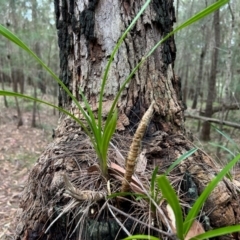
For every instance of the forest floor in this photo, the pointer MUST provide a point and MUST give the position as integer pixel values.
(19, 150)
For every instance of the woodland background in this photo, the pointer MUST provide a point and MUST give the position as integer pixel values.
(209, 76)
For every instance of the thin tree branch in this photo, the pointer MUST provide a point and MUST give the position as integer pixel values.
(213, 120)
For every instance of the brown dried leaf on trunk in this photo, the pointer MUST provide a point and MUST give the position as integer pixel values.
(119, 172)
(195, 230)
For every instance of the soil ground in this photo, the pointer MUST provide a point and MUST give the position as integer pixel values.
(19, 150)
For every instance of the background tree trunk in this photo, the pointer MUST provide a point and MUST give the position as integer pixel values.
(206, 128)
(3, 80)
(199, 83)
(87, 34)
(16, 74)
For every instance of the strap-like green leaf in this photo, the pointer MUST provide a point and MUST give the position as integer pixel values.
(223, 147)
(147, 237)
(181, 158)
(91, 120)
(106, 138)
(210, 9)
(169, 194)
(153, 181)
(227, 137)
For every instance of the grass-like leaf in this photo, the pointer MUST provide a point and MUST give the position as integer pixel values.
(227, 137)
(89, 116)
(228, 175)
(223, 147)
(169, 194)
(153, 182)
(181, 158)
(108, 131)
(154, 191)
(111, 121)
(147, 237)
(207, 191)
(217, 232)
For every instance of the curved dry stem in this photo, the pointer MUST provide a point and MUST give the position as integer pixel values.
(82, 195)
(135, 148)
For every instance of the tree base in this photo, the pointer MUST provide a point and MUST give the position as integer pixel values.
(70, 153)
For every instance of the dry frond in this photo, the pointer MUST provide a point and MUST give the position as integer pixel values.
(135, 148)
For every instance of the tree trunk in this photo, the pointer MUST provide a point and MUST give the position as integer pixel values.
(3, 80)
(185, 87)
(15, 73)
(228, 98)
(200, 72)
(206, 128)
(87, 34)
(38, 80)
(21, 76)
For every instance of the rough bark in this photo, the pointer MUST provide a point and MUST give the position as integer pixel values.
(87, 33)
(88, 50)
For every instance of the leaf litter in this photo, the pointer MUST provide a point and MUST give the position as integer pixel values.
(19, 150)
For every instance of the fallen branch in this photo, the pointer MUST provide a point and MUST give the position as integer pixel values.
(216, 109)
(214, 120)
(225, 107)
